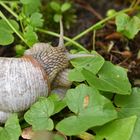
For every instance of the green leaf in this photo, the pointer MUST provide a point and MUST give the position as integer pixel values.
(121, 21)
(30, 36)
(57, 17)
(6, 27)
(26, 1)
(92, 64)
(66, 6)
(19, 49)
(76, 75)
(129, 27)
(36, 20)
(6, 36)
(59, 104)
(128, 106)
(30, 6)
(120, 129)
(110, 78)
(132, 28)
(55, 6)
(11, 130)
(59, 137)
(39, 115)
(90, 109)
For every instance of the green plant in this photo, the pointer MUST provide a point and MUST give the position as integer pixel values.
(102, 100)
(128, 26)
(28, 19)
(57, 9)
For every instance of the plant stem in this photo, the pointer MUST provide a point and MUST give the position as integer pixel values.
(9, 10)
(12, 27)
(66, 38)
(93, 27)
(11, 1)
(13, 13)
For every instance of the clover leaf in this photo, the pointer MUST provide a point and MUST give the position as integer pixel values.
(6, 33)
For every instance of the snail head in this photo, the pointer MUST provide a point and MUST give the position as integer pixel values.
(52, 59)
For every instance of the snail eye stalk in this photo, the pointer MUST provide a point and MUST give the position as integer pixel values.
(61, 38)
(73, 56)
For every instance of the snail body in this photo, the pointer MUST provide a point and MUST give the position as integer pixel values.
(24, 80)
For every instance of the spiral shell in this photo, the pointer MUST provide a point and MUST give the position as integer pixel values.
(22, 81)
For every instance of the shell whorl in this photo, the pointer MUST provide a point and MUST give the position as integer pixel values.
(22, 82)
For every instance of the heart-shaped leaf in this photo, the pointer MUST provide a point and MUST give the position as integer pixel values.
(90, 109)
(39, 115)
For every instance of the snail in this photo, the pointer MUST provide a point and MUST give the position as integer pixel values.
(23, 80)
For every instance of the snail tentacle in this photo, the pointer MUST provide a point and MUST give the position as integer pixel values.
(61, 38)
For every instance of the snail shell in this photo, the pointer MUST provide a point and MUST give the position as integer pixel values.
(22, 81)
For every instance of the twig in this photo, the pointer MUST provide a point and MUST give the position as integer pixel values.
(94, 39)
